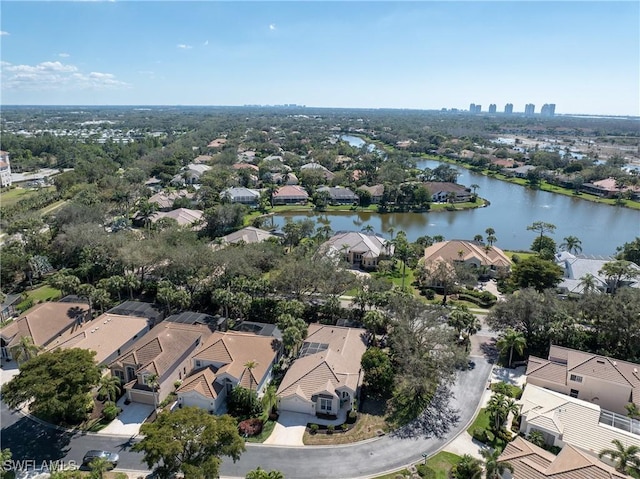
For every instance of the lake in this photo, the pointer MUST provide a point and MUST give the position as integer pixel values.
(601, 228)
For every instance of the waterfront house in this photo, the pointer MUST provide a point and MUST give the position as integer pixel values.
(442, 191)
(245, 196)
(290, 194)
(476, 255)
(359, 249)
(340, 196)
(376, 192)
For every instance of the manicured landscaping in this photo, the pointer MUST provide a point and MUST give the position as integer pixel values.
(267, 429)
(481, 422)
(440, 464)
(38, 295)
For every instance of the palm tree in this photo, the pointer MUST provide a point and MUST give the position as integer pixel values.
(25, 349)
(152, 382)
(499, 407)
(131, 282)
(493, 466)
(572, 245)
(368, 229)
(627, 459)
(633, 411)
(478, 238)
(270, 399)
(109, 387)
(374, 321)
(468, 468)
(251, 365)
(511, 340)
(491, 239)
(98, 467)
(474, 187)
(588, 283)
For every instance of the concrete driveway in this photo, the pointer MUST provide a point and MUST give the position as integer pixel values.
(129, 420)
(289, 429)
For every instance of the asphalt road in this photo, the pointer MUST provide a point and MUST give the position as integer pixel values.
(30, 440)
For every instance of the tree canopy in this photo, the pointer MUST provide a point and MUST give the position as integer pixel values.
(189, 441)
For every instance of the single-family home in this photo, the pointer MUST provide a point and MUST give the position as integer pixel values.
(519, 172)
(326, 377)
(166, 199)
(108, 335)
(164, 353)
(489, 258)
(566, 420)
(358, 248)
(43, 324)
(8, 306)
(326, 174)
(245, 166)
(183, 216)
(340, 196)
(580, 270)
(245, 235)
(215, 323)
(376, 192)
(5, 170)
(290, 194)
(245, 196)
(610, 383)
(192, 172)
(140, 309)
(610, 188)
(443, 191)
(282, 178)
(532, 462)
(226, 360)
(217, 143)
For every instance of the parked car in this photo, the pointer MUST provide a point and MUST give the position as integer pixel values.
(471, 365)
(110, 457)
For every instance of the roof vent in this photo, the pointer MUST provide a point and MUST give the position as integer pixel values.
(635, 370)
(600, 361)
(615, 363)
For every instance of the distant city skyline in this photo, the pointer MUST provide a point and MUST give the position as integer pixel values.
(582, 56)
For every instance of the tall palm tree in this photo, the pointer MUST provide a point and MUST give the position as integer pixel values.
(269, 399)
(588, 283)
(536, 437)
(109, 387)
(25, 349)
(478, 238)
(251, 365)
(131, 282)
(499, 407)
(627, 459)
(572, 244)
(493, 467)
(468, 468)
(512, 340)
(474, 187)
(152, 382)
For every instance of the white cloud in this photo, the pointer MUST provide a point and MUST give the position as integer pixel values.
(3, 33)
(54, 75)
(64, 55)
(184, 47)
(205, 43)
(272, 26)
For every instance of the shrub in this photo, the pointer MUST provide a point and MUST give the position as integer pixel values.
(429, 294)
(314, 428)
(345, 427)
(121, 475)
(425, 472)
(352, 416)
(110, 411)
(243, 403)
(250, 427)
(330, 429)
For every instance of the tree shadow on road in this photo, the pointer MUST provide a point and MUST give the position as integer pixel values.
(29, 440)
(435, 421)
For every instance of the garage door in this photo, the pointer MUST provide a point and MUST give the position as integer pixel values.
(296, 404)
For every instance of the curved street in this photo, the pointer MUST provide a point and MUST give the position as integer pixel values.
(31, 440)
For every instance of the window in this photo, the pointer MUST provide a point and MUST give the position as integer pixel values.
(198, 363)
(574, 393)
(577, 379)
(325, 404)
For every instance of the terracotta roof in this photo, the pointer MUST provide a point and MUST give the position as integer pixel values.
(240, 166)
(44, 322)
(166, 199)
(532, 462)
(325, 370)
(544, 369)
(161, 348)
(451, 251)
(291, 191)
(375, 190)
(183, 216)
(202, 382)
(105, 335)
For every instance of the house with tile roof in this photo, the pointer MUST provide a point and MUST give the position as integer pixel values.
(221, 364)
(566, 420)
(184, 217)
(165, 352)
(607, 382)
(313, 166)
(376, 192)
(471, 253)
(245, 235)
(108, 335)
(340, 196)
(577, 267)
(43, 324)
(290, 194)
(165, 199)
(359, 249)
(326, 377)
(532, 462)
(441, 190)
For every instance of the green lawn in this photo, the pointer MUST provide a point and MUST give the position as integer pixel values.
(519, 254)
(395, 277)
(267, 429)
(38, 295)
(12, 196)
(481, 421)
(441, 464)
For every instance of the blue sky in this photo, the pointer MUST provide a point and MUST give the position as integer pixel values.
(582, 56)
